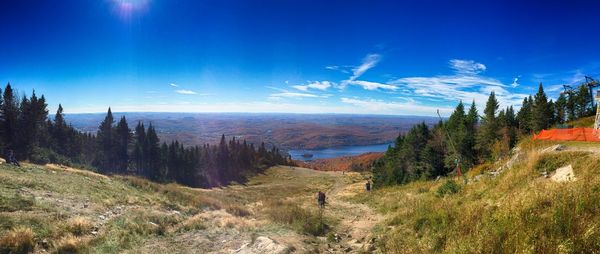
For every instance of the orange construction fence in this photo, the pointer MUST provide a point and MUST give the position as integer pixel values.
(573, 134)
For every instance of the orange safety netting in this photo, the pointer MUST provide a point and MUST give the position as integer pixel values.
(573, 134)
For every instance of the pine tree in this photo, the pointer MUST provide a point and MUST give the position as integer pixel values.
(139, 150)
(524, 115)
(457, 133)
(541, 111)
(9, 113)
(489, 128)
(560, 109)
(106, 142)
(472, 121)
(223, 160)
(123, 138)
(153, 154)
(582, 102)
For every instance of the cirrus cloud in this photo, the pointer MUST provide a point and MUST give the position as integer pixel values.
(186, 92)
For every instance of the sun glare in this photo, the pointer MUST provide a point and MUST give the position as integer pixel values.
(127, 8)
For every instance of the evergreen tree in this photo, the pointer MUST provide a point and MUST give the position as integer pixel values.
(472, 120)
(123, 138)
(489, 128)
(106, 143)
(59, 132)
(32, 121)
(560, 109)
(153, 153)
(541, 111)
(524, 115)
(582, 102)
(139, 150)
(9, 111)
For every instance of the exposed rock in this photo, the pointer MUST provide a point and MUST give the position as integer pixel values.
(263, 245)
(553, 148)
(564, 174)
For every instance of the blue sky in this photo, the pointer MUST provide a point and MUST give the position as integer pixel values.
(374, 57)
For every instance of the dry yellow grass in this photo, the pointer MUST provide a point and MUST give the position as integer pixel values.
(76, 171)
(519, 211)
(69, 244)
(79, 226)
(17, 241)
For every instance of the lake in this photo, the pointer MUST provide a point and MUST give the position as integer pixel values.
(337, 152)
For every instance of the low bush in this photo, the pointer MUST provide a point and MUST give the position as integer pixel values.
(237, 210)
(44, 156)
(448, 188)
(17, 241)
(79, 226)
(68, 245)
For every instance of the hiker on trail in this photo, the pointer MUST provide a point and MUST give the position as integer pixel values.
(10, 158)
(368, 185)
(321, 199)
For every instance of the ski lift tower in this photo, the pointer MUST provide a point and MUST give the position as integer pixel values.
(597, 122)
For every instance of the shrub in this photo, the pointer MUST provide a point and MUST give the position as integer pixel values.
(194, 223)
(551, 161)
(44, 156)
(79, 226)
(68, 245)
(449, 187)
(237, 211)
(19, 240)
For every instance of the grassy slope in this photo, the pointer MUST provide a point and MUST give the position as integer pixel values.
(69, 209)
(517, 212)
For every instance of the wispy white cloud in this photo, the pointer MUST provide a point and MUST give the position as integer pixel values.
(294, 95)
(319, 85)
(173, 85)
(187, 92)
(515, 82)
(368, 62)
(368, 85)
(394, 107)
(466, 84)
(343, 69)
(468, 67)
(283, 93)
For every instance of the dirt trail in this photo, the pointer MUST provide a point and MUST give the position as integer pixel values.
(356, 220)
(226, 233)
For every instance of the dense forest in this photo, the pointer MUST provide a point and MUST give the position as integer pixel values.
(467, 138)
(26, 129)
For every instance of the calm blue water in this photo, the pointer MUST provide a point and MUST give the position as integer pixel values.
(337, 152)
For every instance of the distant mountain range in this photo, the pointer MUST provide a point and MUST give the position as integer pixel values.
(287, 131)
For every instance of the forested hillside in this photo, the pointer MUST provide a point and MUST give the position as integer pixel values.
(468, 139)
(26, 129)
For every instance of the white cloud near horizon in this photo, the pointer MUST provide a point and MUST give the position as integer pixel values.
(466, 84)
(387, 107)
(294, 95)
(368, 85)
(319, 85)
(186, 92)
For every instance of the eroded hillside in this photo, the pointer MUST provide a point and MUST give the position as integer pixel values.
(59, 209)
